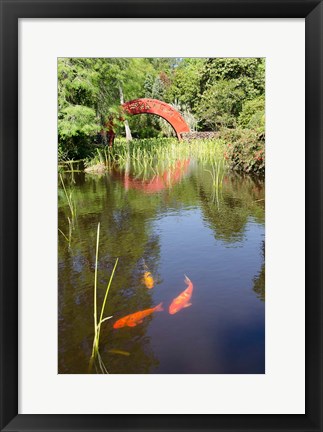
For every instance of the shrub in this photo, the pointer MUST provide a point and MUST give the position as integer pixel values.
(245, 150)
(76, 147)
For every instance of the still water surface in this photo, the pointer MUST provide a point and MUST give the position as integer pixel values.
(172, 223)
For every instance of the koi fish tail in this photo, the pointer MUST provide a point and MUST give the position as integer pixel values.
(159, 308)
(187, 280)
(189, 284)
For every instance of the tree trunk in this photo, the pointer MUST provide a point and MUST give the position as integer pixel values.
(126, 124)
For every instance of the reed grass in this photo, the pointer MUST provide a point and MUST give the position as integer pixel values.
(95, 356)
(69, 198)
(217, 172)
(68, 166)
(72, 208)
(66, 238)
(103, 156)
(144, 153)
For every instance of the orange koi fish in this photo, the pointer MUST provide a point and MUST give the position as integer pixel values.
(136, 318)
(183, 300)
(148, 280)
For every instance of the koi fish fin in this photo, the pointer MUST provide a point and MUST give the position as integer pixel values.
(132, 324)
(188, 305)
(159, 308)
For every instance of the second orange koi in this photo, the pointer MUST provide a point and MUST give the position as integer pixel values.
(148, 280)
(136, 318)
(183, 300)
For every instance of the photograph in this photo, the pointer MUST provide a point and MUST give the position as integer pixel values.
(161, 215)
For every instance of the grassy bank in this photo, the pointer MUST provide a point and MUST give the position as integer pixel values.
(240, 150)
(152, 149)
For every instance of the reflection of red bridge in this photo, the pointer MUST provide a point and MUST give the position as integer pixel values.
(158, 182)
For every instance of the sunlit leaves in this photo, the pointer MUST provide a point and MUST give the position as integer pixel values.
(76, 120)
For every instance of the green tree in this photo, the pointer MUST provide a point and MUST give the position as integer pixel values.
(220, 104)
(185, 84)
(250, 72)
(225, 84)
(252, 114)
(90, 91)
(77, 115)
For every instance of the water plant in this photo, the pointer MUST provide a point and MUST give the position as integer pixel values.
(72, 216)
(245, 150)
(70, 201)
(152, 153)
(217, 172)
(102, 158)
(98, 322)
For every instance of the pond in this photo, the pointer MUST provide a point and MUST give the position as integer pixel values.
(164, 225)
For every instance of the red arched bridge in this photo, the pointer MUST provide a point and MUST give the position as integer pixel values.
(156, 107)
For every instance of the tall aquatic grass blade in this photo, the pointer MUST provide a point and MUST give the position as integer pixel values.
(104, 303)
(95, 306)
(70, 227)
(92, 359)
(72, 207)
(103, 369)
(98, 322)
(107, 291)
(106, 319)
(68, 197)
(63, 235)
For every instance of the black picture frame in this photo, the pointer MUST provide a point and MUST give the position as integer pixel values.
(11, 11)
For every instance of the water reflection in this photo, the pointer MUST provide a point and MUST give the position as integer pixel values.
(153, 181)
(167, 221)
(259, 280)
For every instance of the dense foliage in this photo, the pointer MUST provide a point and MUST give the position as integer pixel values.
(211, 93)
(245, 150)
